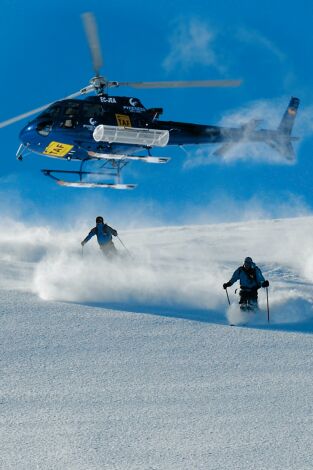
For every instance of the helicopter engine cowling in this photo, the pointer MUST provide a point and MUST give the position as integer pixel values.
(131, 135)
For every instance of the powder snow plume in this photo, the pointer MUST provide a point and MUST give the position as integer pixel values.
(167, 270)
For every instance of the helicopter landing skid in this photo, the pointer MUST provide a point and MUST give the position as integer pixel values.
(85, 184)
(79, 184)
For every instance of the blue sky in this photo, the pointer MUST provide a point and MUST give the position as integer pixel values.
(268, 44)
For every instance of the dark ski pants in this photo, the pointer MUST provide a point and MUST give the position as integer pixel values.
(248, 297)
(108, 250)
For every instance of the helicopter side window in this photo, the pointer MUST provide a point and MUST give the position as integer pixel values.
(93, 112)
(71, 114)
(46, 120)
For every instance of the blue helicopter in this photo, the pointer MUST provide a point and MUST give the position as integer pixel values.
(115, 130)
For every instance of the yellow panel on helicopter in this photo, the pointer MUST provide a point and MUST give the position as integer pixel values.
(123, 120)
(57, 149)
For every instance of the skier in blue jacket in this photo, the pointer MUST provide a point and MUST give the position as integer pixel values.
(104, 236)
(251, 279)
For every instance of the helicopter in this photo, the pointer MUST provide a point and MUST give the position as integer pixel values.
(115, 130)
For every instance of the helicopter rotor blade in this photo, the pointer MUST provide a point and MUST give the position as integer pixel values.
(91, 31)
(178, 84)
(35, 111)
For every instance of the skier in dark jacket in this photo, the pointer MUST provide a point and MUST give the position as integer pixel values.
(104, 236)
(251, 279)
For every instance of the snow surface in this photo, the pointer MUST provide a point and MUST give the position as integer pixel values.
(132, 365)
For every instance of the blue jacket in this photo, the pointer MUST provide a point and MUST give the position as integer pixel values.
(104, 234)
(249, 279)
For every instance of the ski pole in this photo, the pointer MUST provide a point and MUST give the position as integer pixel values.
(82, 251)
(268, 308)
(123, 245)
(227, 296)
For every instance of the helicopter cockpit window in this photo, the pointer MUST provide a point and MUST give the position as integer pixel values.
(46, 120)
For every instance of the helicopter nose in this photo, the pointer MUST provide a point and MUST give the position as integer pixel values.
(27, 134)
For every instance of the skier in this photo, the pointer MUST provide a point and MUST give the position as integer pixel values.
(251, 279)
(104, 236)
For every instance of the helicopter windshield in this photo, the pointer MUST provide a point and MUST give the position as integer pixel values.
(50, 113)
(46, 120)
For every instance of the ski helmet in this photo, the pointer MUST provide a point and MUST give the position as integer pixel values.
(99, 220)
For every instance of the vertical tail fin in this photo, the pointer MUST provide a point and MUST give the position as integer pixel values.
(288, 119)
(282, 141)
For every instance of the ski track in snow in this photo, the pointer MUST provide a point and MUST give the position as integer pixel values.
(89, 382)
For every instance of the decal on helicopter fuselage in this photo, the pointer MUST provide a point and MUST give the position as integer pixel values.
(107, 99)
(57, 149)
(134, 109)
(123, 120)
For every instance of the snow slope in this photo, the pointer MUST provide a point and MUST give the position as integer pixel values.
(132, 365)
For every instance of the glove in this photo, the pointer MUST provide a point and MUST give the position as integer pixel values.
(226, 284)
(82, 243)
(265, 284)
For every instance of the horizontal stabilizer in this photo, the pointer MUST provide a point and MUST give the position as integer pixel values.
(285, 149)
(224, 149)
(111, 156)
